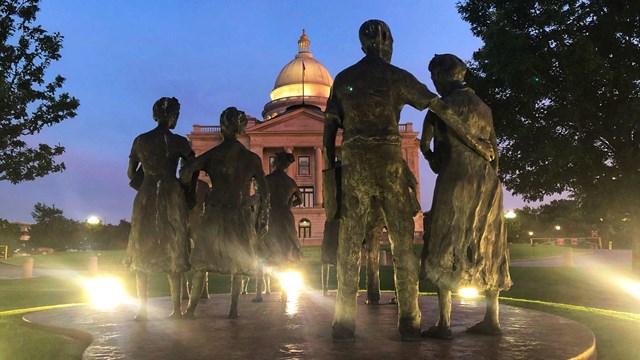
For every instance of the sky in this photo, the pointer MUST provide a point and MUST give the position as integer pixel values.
(120, 56)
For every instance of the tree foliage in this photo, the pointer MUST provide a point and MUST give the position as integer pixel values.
(28, 100)
(563, 80)
(9, 234)
(52, 229)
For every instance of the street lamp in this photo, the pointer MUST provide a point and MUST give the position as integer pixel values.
(557, 227)
(530, 233)
(93, 220)
(510, 214)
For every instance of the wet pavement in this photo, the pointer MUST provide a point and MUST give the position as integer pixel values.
(300, 329)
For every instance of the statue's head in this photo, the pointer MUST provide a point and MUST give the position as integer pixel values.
(166, 111)
(283, 160)
(376, 39)
(446, 70)
(232, 122)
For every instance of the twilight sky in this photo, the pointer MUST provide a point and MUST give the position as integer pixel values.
(120, 56)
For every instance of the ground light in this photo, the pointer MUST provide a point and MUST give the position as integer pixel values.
(630, 286)
(468, 292)
(291, 281)
(105, 292)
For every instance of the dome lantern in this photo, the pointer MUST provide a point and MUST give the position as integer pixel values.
(304, 43)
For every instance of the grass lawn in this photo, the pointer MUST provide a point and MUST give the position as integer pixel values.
(617, 330)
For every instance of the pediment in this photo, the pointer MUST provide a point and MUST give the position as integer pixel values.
(300, 120)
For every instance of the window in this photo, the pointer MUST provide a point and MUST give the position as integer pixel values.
(304, 229)
(307, 196)
(304, 167)
(272, 159)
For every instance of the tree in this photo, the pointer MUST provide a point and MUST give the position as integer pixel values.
(9, 234)
(563, 80)
(28, 101)
(54, 230)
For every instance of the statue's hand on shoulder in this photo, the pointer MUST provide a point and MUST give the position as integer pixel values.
(486, 150)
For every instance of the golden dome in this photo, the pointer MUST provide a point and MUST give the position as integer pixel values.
(302, 69)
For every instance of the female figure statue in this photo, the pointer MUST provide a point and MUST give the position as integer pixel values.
(226, 239)
(159, 239)
(465, 238)
(280, 246)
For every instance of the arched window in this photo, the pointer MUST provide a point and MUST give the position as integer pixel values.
(304, 229)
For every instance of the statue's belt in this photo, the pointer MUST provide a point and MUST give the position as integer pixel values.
(372, 140)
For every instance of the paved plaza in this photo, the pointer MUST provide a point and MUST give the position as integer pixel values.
(300, 329)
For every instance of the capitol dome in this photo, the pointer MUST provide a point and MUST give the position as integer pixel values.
(304, 80)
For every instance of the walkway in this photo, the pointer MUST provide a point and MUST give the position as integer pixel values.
(300, 329)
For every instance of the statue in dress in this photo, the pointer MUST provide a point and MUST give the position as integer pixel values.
(226, 240)
(280, 246)
(159, 238)
(465, 236)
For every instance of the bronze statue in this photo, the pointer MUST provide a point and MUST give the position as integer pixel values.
(195, 218)
(465, 237)
(226, 239)
(371, 241)
(159, 240)
(365, 101)
(280, 246)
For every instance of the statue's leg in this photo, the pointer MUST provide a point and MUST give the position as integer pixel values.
(267, 282)
(325, 279)
(348, 270)
(142, 289)
(245, 285)
(442, 329)
(490, 325)
(175, 282)
(259, 284)
(236, 287)
(406, 266)
(184, 286)
(196, 289)
(205, 288)
(372, 243)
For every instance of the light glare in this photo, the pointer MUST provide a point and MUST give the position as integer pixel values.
(468, 293)
(93, 220)
(104, 292)
(291, 281)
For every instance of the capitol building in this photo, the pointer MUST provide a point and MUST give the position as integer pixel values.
(293, 121)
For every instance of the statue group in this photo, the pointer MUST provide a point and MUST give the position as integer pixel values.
(368, 189)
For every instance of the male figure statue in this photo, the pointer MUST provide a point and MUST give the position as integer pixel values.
(365, 101)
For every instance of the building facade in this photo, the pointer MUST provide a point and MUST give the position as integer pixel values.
(293, 121)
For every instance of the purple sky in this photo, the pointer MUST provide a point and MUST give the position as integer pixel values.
(120, 56)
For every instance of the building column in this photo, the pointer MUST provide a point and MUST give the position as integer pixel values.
(290, 169)
(318, 175)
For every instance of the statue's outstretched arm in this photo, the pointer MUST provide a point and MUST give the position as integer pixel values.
(192, 165)
(453, 121)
